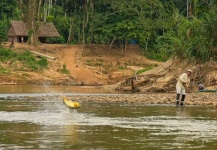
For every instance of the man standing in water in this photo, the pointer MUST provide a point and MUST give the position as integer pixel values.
(181, 85)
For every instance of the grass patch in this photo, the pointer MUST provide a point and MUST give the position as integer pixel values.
(121, 67)
(89, 62)
(3, 70)
(145, 69)
(26, 58)
(64, 70)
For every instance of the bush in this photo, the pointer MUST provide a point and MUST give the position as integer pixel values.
(64, 70)
(145, 69)
(4, 54)
(43, 62)
(27, 59)
(3, 70)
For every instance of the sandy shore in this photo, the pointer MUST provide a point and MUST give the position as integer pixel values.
(201, 99)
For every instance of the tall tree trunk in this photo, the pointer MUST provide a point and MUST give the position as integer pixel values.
(146, 45)
(39, 8)
(86, 3)
(45, 11)
(83, 30)
(50, 6)
(70, 32)
(124, 46)
(84, 21)
(187, 8)
(110, 46)
(33, 21)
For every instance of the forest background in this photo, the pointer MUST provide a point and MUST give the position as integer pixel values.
(161, 28)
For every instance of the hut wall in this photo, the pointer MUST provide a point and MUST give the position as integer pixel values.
(10, 39)
(13, 39)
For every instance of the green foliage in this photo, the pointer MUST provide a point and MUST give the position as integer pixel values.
(162, 28)
(165, 47)
(5, 54)
(26, 58)
(145, 69)
(3, 31)
(59, 40)
(31, 62)
(64, 70)
(50, 18)
(121, 68)
(30, 32)
(62, 24)
(3, 70)
(89, 62)
(198, 37)
(43, 62)
(8, 9)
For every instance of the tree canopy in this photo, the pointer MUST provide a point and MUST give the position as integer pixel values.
(161, 27)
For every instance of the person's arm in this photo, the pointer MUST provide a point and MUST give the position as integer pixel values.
(183, 78)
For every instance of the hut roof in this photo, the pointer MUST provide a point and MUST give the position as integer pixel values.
(18, 28)
(48, 30)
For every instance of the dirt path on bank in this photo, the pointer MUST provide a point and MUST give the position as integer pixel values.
(96, 64)
(82, 74)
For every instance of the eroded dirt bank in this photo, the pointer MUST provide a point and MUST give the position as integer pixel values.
(90, 65)
(163, 78)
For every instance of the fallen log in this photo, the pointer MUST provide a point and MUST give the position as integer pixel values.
(43, 55)
(10, 83)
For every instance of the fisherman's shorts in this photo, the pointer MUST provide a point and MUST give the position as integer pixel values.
(180, 90)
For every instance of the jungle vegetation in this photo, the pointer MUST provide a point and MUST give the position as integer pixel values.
(162, 28)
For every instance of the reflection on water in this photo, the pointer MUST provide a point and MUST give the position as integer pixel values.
(50, 125)
(52, 89)
(180, 111)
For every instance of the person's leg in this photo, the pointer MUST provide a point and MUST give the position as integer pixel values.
(183, 97)
(178, 91)
(182, 100)
(177, 98)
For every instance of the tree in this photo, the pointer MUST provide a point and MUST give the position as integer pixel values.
(8, 9)
(31, 16)
(159, 26)
(2, 31)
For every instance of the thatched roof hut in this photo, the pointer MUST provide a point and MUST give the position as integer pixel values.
(18, 31)
(48, 30)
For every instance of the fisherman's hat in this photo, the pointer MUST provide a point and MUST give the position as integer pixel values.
(189, 70)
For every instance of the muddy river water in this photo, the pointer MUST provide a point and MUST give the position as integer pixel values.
(48, 124)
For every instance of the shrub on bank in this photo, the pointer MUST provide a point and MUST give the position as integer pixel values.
(145, 69)
(26, 58)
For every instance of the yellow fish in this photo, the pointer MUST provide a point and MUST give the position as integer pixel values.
(71, 104)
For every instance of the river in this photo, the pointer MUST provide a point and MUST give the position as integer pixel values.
(48, 124)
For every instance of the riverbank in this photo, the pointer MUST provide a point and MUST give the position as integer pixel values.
(72, 64)
(198, 99)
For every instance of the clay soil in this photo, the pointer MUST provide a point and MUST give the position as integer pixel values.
(90, 65)
(98, 65)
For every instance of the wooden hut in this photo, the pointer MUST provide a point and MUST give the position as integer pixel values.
(18, 31)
